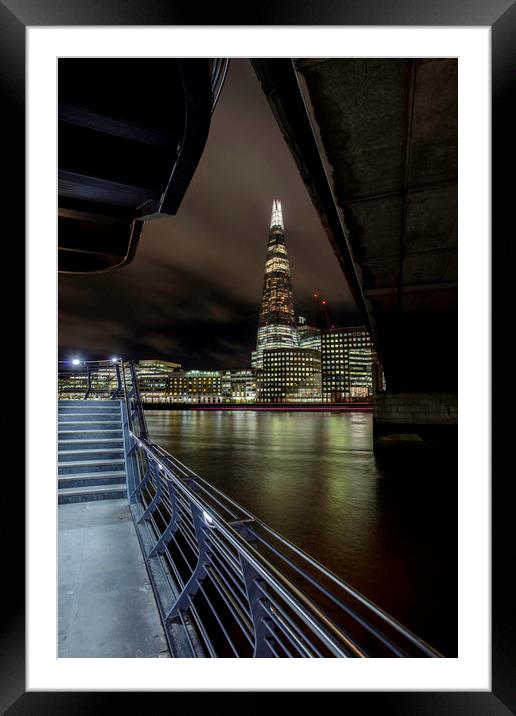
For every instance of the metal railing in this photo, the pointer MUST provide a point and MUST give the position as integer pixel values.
(94, 379)
(226, 584)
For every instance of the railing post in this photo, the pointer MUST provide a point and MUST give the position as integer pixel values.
(200, 572)
(118, 378)
(172, 526)
(255, 587)
(153, 469)
(88, 389)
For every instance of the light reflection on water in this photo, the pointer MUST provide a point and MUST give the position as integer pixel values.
(390, 530)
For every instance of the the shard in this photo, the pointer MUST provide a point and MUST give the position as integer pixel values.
(276, 325)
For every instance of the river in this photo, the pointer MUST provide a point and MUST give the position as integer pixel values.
(388, 527)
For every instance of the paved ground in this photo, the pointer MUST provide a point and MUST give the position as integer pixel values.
(106, 605)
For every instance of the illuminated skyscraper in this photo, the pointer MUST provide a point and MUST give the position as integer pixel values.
(277, 324)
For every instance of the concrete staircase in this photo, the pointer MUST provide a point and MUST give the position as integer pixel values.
(91, 462)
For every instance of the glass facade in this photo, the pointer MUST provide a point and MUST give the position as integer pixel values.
(309, 336)
(154, 379)
(290, 375)
(347, 358)
(196, 386)
(277, 325)
(238, 386)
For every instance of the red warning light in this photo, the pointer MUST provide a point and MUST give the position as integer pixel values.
(323, 302)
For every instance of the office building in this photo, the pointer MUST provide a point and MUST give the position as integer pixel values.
(289, 375)
(196, 386)
(309, 336)
(347, 358)
(238, 386)
(154, 379)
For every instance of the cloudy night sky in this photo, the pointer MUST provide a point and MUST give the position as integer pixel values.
(192, 293)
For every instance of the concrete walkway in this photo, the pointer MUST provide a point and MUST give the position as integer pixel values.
(106, 605)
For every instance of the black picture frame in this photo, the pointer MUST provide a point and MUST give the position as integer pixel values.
(500, 15)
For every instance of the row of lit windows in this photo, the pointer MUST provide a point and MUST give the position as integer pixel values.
(345, 339)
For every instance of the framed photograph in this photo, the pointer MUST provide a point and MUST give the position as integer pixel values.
(316, 105)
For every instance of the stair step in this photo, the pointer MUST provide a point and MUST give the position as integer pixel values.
(91, 488)
(68, 423)
(90, 479)
(91, 457)
(91, 443)
(84, 494)
(94, 475)
(100, 414)
(91, 451)
(91, 430)
(87, 422)
(87, 408)
(107, 444)
(85, 441)
(93, 402)
(76, 435)
(79, 466)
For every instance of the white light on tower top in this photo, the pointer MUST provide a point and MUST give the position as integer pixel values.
(277, 216)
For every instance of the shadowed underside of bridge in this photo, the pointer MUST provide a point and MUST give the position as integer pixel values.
(131, 134)
(376, 144)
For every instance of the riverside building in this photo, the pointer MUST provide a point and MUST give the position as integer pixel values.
(290, 375)
(196, 386)
(309, 336)
(154, 379)
(238, 386)
(347, 358)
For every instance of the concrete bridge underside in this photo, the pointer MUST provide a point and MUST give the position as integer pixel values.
(376, 144)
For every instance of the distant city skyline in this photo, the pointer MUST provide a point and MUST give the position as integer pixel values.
(193, 292)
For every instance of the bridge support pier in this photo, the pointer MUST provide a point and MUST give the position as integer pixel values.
(414, 420)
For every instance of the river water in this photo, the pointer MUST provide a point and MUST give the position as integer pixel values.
(389, 528)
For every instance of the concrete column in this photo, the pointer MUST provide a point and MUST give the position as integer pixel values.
(414, 420)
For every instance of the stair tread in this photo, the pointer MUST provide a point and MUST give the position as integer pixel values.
(91, 430)
(89, 489)
(89, 422)
(80, 463)
(91, 451)
(90, 440)
(88, 415)
(92, 475)
(75, 409)
(67, 482)
(91, 401)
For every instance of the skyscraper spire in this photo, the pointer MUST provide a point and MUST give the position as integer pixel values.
(276, 216)
(277, 326)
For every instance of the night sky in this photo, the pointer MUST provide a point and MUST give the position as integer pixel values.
(192, 293)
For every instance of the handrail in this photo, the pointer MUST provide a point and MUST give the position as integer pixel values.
(148, 445)
(231, 584)
(267, 570)
(107, 373)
